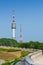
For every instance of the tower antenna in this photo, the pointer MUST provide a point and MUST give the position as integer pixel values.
(20, 33)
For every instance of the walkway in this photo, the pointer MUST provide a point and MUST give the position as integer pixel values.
(38, 59)
(20, 62)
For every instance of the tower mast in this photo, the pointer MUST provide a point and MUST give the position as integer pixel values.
(13, 28)
(20, 34)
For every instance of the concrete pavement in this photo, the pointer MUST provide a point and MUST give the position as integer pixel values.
(21, 62)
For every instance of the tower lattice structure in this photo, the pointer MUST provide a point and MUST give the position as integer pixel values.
(20, 34)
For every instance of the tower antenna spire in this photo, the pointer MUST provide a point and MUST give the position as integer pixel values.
(20, 33)
(13, 16)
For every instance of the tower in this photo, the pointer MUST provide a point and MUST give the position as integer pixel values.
(13, 28)
(20, 34)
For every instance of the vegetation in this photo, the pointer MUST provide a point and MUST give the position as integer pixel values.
(23, 53)
(8, 42)
(7, 63)
(8, 50)
(14, 43)
(9, 54)
(31, 44)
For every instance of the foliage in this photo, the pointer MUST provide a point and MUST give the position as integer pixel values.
(14, 43)
(24, 53)
(31, 44)
(7, 63)
(8, 42)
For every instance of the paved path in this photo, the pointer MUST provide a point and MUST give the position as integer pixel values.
(38, 59)
(20, 62)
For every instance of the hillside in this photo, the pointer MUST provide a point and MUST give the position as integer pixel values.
(8, 42)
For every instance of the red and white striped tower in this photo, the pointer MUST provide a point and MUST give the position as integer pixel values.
(20, 34)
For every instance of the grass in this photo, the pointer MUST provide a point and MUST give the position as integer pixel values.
(9, 54)
(6, 56)
(7, 63)
(9, 50)
(24, 53)
(12, 55)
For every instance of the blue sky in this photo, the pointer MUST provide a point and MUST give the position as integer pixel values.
(28, 13)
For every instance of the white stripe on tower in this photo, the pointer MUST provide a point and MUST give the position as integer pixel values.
(13, 33)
